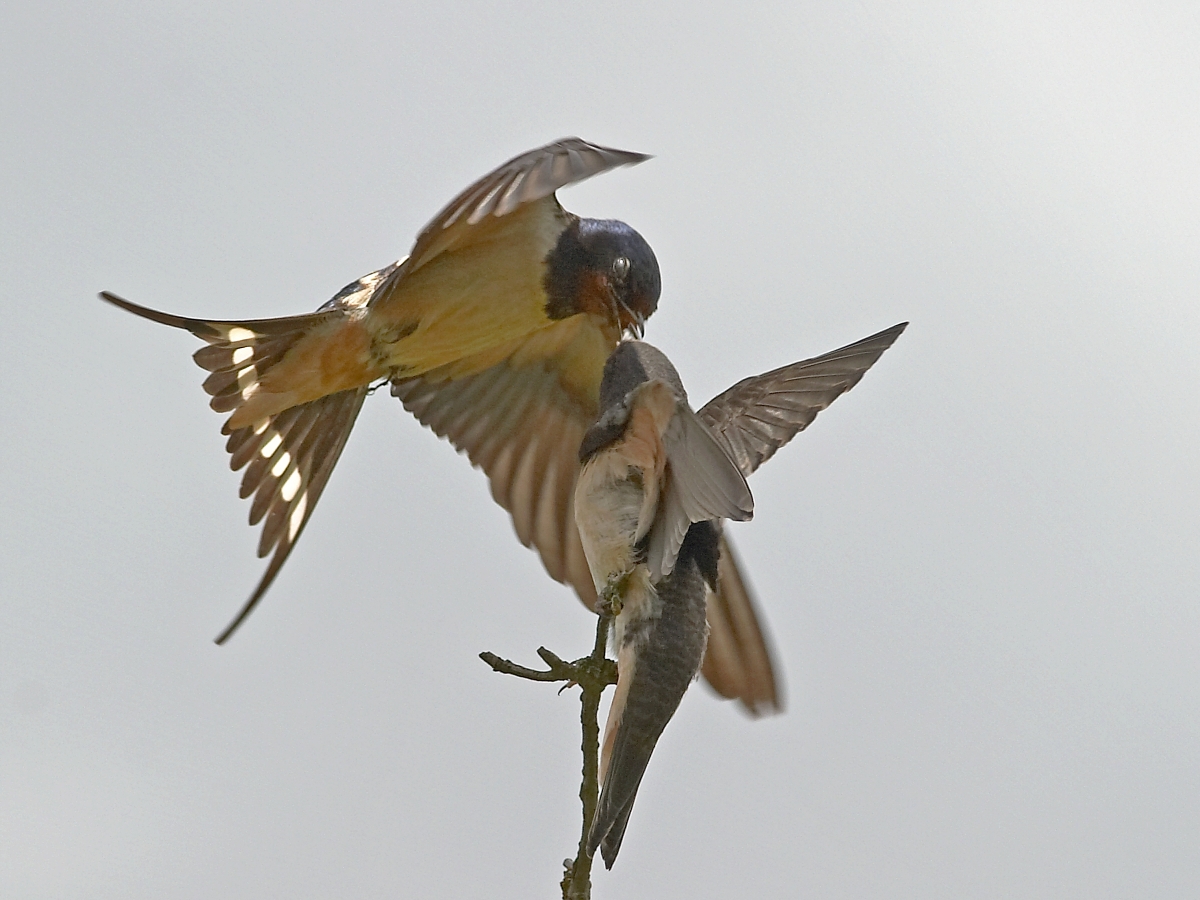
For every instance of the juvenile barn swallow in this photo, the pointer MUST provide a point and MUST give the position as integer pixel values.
(656, 482)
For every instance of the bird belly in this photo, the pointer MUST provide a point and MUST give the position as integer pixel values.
(609, 498)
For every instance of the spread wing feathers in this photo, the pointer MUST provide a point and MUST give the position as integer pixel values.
(523, 179)
(288, 460)
(492, 417)
(758, 415)
(739, 663)
(523, 429)
(703, 483)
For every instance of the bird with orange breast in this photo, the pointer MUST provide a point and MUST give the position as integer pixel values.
(493, 331)
(656, 484)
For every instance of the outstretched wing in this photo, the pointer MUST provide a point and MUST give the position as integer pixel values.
(521, 421)
(703, 484)
(523, 179)
(758, 415)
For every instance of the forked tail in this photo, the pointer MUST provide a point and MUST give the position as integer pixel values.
(289, 455)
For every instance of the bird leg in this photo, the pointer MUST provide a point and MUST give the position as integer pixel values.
(612, 596)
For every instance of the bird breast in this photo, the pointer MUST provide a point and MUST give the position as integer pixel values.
(610, 497)
(616, 496)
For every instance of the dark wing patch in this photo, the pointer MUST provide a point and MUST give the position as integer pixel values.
(758, 415)
(523, 179)
(523, 429)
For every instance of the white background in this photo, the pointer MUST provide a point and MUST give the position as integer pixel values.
(980, 566)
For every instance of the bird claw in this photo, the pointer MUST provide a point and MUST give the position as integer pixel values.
(612, 596)
(592, 672)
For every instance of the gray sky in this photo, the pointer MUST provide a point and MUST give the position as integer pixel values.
(980, 566)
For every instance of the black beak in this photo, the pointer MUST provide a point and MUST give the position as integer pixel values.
(638, 326)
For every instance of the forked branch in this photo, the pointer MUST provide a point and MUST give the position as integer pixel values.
(593, 674)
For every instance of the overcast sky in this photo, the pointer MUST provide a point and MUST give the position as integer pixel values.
(980, 566)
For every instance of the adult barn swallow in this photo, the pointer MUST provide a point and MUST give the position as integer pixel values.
(494, 332)
(657, 480)
(502, 273)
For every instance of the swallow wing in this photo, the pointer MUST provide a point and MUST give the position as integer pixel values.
(752, 420)
(521, 421)
(739, 661)
(523, 179)
(758, 415)
(703, 484)
(288, 457)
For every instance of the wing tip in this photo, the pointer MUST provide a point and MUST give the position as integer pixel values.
(628, 157)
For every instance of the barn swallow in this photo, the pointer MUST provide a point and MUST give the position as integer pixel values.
(493, 331)
(502, 271)
(656, 482)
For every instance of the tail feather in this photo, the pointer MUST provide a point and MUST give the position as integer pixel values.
(239, 353)
(243, 443)
(243, 366)
(271, 469)
(310, 440)
(621, 783)
(288, 456)
(610, 844)
(228, 334)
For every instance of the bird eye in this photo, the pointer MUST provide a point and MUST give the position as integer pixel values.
(621, 267)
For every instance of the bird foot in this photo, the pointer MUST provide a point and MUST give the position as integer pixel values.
(612, 596)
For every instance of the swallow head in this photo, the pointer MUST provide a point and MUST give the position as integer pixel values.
(605, 268)
(632, 364)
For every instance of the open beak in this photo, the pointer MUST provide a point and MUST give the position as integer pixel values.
(637, 327)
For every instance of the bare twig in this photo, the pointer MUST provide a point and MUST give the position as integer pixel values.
(593, 674)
